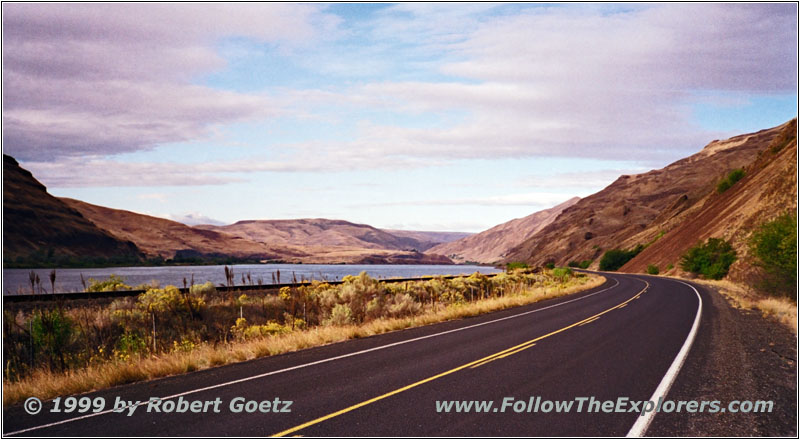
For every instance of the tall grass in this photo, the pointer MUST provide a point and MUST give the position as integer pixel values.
(782, 310)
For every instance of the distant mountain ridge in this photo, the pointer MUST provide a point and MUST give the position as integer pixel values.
(326, 232)
(492, 245)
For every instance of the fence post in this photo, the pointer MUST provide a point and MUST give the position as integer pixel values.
(153, 314)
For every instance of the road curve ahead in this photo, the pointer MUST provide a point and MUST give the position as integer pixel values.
(616, 341)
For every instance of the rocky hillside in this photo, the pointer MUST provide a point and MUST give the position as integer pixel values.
(38, 227)
(639, 209)
(493, 244)
(768, 189)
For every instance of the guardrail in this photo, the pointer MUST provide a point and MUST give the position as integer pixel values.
(242, 288)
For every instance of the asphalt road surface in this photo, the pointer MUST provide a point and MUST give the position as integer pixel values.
(615, 341)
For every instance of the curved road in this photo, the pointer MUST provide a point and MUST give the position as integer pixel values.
(618, 340)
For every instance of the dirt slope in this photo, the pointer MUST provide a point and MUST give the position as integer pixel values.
(36, 222)
(492, 245)
(636, 209)
(768, 189)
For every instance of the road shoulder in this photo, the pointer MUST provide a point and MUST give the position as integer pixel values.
(738, 355)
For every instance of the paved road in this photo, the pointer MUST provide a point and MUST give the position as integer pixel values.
(614, 341)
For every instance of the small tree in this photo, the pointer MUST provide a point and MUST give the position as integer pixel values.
(616, 258)
(774, 246)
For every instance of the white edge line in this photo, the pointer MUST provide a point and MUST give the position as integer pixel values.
(643, 421)
(321, 361)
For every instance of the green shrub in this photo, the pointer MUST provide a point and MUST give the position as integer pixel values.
(562, 273)
(616, 258)
(774, 245)
(582, 264)
(712, 259)
(129, 344)
(549, 265)
(733, 177)
(652, 269)
(670, 266)
(51, 334)
(516, 265)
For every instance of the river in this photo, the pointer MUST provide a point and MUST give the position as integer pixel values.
(17, 281)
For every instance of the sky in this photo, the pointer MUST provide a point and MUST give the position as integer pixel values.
(442, 117)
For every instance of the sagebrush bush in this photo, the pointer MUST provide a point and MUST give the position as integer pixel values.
(112, 283)
(732, 177)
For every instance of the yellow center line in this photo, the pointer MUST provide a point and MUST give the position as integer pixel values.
(502, 356)
(503, 353)
(591, 321)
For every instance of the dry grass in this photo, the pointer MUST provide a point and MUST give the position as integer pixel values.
(741, 296)
(47, 384)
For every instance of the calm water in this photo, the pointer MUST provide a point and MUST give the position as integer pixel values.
(17, 281)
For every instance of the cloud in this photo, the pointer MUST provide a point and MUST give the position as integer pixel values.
(593, 180)
(543, 199)
(160, 197)
(611, 82)
(98, 171)
(110, 78)
(566, 81)
(194, 218)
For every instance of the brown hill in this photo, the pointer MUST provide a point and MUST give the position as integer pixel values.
(165, 238)
(768, 189)
(492, 245)
(636, 209)
(317, 232)
(169, 239)
(38, 227)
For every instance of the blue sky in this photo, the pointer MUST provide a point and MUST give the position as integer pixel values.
(408, 116)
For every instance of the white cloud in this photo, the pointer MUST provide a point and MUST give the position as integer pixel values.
(108, 78)
(194, 218)
(569, 82)
(159, 197)
(533, 199)
(92, 80)
(594, 180)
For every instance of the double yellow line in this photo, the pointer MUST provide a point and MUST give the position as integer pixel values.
(499, 355)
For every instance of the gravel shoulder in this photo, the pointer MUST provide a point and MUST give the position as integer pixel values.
(737, 355)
